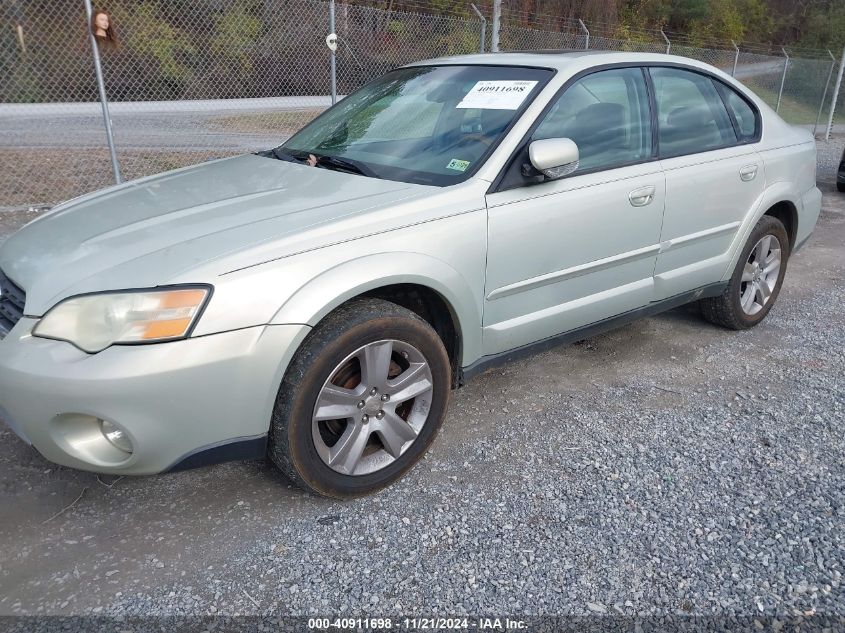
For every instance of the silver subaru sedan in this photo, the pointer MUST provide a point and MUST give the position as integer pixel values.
(318, 301)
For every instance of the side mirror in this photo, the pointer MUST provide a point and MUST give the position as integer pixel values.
(554, 157)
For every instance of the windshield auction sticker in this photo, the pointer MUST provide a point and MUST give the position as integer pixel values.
(497, 95)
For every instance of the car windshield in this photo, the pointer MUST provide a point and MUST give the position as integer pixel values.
(432, 125)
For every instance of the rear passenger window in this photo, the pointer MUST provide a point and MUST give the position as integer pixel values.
(746, 120)
(607, 115)
(691, 116)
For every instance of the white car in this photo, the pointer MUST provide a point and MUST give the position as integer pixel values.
(318, 301)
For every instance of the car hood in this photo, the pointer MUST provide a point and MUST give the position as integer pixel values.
(147, 232)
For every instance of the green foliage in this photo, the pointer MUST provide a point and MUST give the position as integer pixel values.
(148, 35)
(758, 19)
(640, 15)
(397, 28)
(23, 86)
(18, 84)
(703, 19)
(825, 29)
(459, 42)
(235, 34)
(718, 20)
(212, 48)
(449, 6)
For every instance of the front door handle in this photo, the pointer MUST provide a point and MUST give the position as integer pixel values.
(642, 196)
(748, 173)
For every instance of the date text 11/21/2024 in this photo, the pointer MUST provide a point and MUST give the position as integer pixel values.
(417, 624)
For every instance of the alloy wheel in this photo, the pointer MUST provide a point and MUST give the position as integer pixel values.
(760, 275)
(372, 408)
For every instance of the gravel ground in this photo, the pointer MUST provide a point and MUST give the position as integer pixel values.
(666, 468)
(829, 155)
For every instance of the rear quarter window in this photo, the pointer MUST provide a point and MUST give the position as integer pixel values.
(747, 121)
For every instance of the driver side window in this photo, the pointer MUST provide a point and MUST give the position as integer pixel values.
(607, 115)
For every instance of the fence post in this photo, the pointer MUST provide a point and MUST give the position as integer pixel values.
(782, 77)
(835, 96)
(101, 87)
(586, 34)
(824, 94)
(333, 53)
(497, 23)
(736, 58)
(668, 43)
(483, 26)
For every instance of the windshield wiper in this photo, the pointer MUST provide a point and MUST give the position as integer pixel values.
(286, 156)
(327, 162)
(342, 164)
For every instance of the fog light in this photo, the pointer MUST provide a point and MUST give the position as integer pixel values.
(118, 438)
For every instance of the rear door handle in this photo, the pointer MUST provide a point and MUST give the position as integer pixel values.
(642, 196)
(748, 173)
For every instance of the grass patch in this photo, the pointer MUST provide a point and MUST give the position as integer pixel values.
(277, 123)
(799, 112)
(791, 110)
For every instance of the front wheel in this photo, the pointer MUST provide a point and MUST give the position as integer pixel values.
(756, 280)
(361, 401)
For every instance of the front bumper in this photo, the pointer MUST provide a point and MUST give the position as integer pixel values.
(171, 399)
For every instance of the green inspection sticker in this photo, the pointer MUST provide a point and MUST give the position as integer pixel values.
(458, 165)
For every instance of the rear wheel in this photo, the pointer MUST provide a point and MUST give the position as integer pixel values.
(362, 400)
(756, 281)
(840, 186)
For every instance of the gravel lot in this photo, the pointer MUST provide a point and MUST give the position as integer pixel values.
(669, 467)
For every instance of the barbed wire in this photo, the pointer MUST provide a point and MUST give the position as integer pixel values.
(542, 21)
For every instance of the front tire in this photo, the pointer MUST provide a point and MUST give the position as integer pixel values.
(756, 280)
(361, 401)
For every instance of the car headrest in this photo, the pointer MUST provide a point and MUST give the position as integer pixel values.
(688, 117)
(599, 126)
(600, 116)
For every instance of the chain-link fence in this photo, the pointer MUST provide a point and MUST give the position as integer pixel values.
(196, 79)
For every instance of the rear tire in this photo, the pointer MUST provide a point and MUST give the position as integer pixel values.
(840, 186)
(342, 429)
(751, 292)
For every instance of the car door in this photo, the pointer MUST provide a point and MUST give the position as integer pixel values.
(706, 136)
(567, 253)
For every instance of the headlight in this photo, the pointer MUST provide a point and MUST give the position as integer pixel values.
(94, 322)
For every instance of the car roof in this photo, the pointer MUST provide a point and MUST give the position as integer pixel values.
(560, 59)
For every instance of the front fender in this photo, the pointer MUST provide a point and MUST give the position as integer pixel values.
(312, 301)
